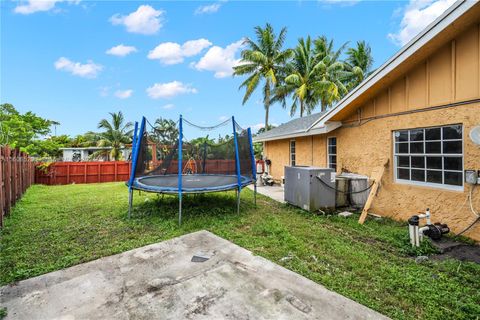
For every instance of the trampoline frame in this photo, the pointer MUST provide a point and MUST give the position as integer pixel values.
(138, 185)
(135, 183)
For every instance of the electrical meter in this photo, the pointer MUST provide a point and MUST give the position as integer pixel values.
(471, 176)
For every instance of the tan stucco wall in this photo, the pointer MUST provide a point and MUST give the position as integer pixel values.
(278, 152)
(450, 75)
(310, 151)
(362, 148)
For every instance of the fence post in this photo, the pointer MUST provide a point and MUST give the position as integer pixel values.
(7, 174)
(22, 171)
(13, 174)
(115, 171)
(68, 173)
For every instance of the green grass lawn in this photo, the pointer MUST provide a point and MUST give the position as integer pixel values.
(54, 227)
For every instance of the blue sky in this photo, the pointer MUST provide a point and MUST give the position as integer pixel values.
(75, 61)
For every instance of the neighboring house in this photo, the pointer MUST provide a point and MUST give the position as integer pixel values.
(85, 154)
(416, 112)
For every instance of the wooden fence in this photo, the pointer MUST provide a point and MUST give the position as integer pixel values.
(82, 172)
(58, 173)
(16, 175)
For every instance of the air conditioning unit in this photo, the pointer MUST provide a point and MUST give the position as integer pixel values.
(310, 188)
(342, 185)
(358, 190)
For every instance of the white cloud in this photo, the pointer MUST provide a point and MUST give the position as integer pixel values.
(173, 53)
(194, 47)
(417, 15)
(223, 118)
(168, 106)
(211, 8)
(121, 50)
(123, 94)
(87, 70)
(32, 6)
(220, 60)
(169, 90)
(146, 20)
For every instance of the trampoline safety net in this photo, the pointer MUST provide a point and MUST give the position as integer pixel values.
(221, 150)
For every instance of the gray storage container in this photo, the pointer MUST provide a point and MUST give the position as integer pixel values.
(303, 188)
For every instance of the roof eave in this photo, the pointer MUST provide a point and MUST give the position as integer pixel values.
(433, 29)
(329, 126)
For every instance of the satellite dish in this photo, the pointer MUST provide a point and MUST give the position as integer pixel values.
(475, 135)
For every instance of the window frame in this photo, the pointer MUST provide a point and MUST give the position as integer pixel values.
(425, 155)
(331, 154)
(292, 161)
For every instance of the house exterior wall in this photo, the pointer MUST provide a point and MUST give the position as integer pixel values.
(310, 151)
(362, 148)
(422, 97)
(450, 75)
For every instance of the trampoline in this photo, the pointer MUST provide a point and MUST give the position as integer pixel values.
(169, 163)
(193, 183)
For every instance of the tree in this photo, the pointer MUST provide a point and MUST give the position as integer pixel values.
(263, 129)
(116, 134)
(330, 72)
(88, 139)
(263, 60)
(49, 147)
(359, 62)
(25, 131)
(165, 131)
(302, 80)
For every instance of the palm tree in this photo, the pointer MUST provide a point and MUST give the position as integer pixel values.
(330, 72)
(116, 134)
(359, 62)
(165, 131)
(302, 81)
(263, 60)
(89, 139)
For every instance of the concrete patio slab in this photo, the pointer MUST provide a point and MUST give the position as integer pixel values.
(160, 281)
(274, 192)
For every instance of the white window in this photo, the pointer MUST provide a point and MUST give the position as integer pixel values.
(430, 156)
(332, 153)
(292, 152)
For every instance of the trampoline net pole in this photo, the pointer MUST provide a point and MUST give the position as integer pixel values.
(180, 147)
(237, 163)
(130, 202)
(132, 172)
(254, 166)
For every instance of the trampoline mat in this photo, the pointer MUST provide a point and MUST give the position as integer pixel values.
(190, 183)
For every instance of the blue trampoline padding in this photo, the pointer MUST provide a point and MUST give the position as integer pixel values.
(191, 183)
